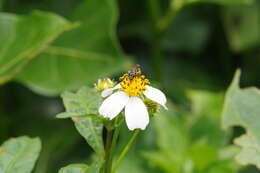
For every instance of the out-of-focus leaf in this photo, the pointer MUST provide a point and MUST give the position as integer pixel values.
(226, 2)
(207, 151)
(19, 155)
(181, 37)
(75, 168)
(206, 102)
(250, 152)
(186, 144)
(83, 168)
(242, 108)
(242, 26)
(82, 56)
(22, 38)
(1, 4)
(87, 101)
(173, 135)
(131, 164)
(96, 166)
(207, 108)
(172, 141)
(163, 160)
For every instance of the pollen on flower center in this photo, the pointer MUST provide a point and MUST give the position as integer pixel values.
(133, 82)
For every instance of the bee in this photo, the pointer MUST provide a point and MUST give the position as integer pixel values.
(134, 71)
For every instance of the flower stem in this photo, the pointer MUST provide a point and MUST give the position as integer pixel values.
(107, 165)
(126, 149)
(114, 142)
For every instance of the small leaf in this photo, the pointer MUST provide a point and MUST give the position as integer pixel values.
(83, 168)
(19, 43)
(96, 166)
(85, 101)
(242, 108)
(18, 155)
(82, 107)
(250, 152)
(75, 168)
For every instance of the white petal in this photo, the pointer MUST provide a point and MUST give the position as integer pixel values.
(156, 95)
(109, 91)
(113, 105)
(136, 114)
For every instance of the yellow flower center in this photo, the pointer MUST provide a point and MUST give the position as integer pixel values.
(133, 83)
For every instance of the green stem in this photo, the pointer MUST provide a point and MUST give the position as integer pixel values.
(107, 165)
(126, 149)
(114, 141)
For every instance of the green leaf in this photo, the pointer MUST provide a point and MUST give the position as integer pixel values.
(86, 101)
(91, 130)
(250, 150)
(19, 44)
(96, 166)
(83, 168)
(242, 108)
(18, 155)
(81, 56)
(75, 168)
(242, 26)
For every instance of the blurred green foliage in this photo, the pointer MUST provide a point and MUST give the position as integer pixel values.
(81, 105)
(189, 48)
(241, 108)
(19, 154)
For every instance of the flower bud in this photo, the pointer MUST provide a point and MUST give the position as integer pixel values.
(104, 84)
(152, 106)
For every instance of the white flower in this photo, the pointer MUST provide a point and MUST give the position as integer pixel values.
(133, 85)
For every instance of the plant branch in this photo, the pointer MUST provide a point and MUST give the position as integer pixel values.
(107, 165)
